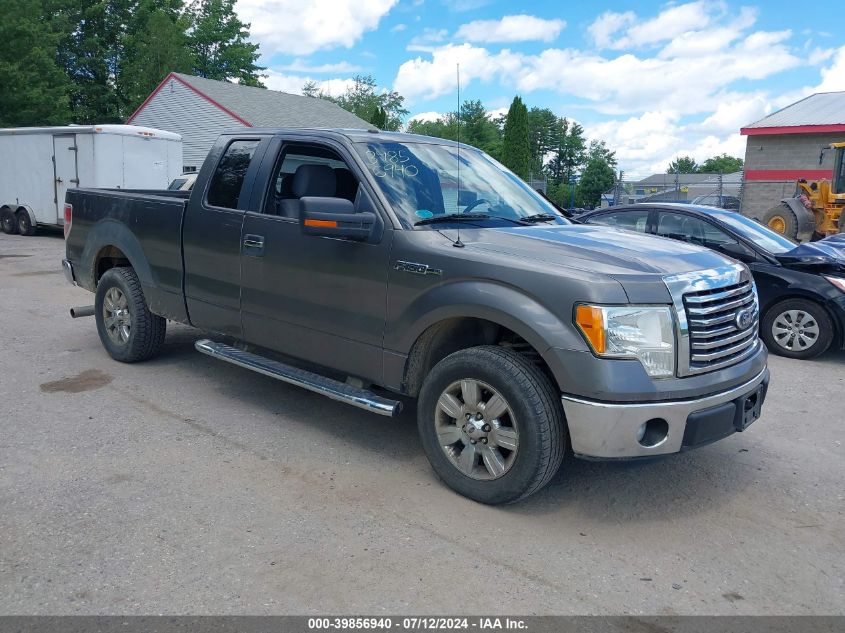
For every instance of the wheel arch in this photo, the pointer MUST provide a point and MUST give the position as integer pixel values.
(111, 244)
(499, 315)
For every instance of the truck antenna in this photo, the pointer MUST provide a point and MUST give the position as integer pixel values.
(458, 243)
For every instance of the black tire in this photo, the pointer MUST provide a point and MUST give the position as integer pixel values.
(538, 417)
(8, 222)
(781, 219)
(814, 315)
(25, 225)
(146, 330)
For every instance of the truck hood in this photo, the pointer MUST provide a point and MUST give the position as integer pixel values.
(598, 249)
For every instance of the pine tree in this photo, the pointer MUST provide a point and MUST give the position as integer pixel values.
(34, 87)
(516, 153)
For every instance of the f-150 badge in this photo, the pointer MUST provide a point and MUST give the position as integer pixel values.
(417, 269)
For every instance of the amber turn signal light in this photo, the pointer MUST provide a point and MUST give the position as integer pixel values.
(590, 321)
(323, 223)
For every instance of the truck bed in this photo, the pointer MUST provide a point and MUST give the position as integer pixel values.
(147, 226)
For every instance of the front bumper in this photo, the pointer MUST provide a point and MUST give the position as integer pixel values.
(608, 430)
(67, 267)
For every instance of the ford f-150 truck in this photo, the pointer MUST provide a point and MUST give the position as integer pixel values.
(361, 264)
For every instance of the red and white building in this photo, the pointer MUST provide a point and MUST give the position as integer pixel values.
(788, 145)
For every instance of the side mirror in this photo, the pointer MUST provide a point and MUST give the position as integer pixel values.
(334, 217)
(738, 251)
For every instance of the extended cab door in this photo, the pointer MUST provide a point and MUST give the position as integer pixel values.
(211, 235)
(317, 298)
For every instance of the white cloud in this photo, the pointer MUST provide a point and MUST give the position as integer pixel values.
(292, 84)
(626, 30)
(398, 28)
(302, 66)
(621, 84)
(511, 28)
(833, 77)
(426, 117)
(301, 28)
(426, 41)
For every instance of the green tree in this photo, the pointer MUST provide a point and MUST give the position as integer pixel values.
(378, 118)
(158, 45)
(477, 129)
(569, 151)
(363, 98)
(90, 53)
(541, 127)
(682, 165)
(598, 150)
(34, 87)
(722, 164)
(516, 151)
(597, 178)
(443, 127)
(220, 43)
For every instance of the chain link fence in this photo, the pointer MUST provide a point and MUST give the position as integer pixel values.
(717, 190)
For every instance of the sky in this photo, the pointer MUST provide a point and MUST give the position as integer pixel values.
(655, 80)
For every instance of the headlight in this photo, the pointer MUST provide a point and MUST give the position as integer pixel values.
(641, 332)
(836, 281)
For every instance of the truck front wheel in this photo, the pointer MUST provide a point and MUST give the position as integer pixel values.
(128, 330)
(491, 424)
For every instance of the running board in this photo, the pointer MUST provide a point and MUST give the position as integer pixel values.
(328, 387)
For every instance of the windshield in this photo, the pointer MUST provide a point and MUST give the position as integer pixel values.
(753, 231)
(425, 180)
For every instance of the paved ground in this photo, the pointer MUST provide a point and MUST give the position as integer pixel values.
(187, 486)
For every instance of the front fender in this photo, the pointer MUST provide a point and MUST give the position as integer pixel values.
(499, 303)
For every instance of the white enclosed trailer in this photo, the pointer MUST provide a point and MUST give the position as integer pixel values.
(38, 165)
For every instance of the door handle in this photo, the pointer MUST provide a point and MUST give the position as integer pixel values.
(253, 245)
(59, 180)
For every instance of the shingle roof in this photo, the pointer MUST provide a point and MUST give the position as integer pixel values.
(261, 107)
(823, 108)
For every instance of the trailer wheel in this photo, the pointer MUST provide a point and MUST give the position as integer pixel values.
(8, 221)
(25, 225)
(128, 330)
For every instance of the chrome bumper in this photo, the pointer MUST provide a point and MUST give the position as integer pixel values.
(67, 267)
(607, 430)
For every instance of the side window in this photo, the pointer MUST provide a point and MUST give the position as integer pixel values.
(308, 170)
(634, 220)
(228, 178)
(680, 226)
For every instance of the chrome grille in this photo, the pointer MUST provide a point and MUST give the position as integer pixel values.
(722, 324)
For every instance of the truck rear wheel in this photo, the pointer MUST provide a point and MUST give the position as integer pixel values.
(8, 221)
(491, 424)
(781, 219)
(128, 330)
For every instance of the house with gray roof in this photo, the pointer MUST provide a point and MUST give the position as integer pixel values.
(199, 109)
(788, 145)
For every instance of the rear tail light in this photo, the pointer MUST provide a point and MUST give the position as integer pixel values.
(68, 218)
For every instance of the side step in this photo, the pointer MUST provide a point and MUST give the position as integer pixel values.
(333, 389)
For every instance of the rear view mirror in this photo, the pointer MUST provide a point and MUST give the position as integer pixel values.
(334, 217)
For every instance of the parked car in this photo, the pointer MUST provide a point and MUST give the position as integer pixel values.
(801, 288)
(402, 264)
(185, 182)
(731, 203)
(41, 163)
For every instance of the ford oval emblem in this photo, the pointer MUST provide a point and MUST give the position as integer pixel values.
(744, 319)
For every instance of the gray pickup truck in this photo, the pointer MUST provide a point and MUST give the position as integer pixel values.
(366, 266)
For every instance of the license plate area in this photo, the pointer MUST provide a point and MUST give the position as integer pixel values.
(749, 407)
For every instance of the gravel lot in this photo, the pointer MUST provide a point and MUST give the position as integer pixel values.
(185, 485)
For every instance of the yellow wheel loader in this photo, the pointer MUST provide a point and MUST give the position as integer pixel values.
(815, 211)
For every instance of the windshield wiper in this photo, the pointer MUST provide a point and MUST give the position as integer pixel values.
(452, 217)
(538, 217)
